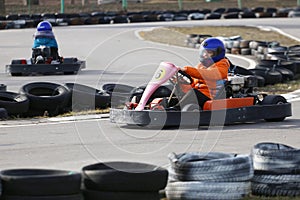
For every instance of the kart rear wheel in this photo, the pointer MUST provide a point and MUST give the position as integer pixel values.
(271, 100)
(191, 107)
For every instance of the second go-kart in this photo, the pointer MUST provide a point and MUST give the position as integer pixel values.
(42, 62)
(239, 104)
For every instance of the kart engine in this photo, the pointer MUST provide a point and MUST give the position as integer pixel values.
(240, 86)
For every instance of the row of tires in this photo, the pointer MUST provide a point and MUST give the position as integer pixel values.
(107, 181)
(272, 169)
(30, 21)
(46, 98)
(275, 63)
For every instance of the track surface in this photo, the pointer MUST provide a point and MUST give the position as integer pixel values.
(114, 54)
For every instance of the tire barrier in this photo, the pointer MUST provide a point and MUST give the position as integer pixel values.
(14, 103)
(46, 97)
(206, 174)
(40, 184)
(14, 21)
(276, 63)
(119, 93)
(272, 169)
(276, 170)
(3, 114)
(83, 97)
(121, 180)
(3, 87)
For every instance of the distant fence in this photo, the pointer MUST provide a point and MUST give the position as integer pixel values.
(47, 2)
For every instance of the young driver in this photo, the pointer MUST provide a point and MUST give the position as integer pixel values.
(44, 37)
(208, 74)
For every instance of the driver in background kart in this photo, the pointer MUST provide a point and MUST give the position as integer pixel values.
(208, 75)
(44, 37)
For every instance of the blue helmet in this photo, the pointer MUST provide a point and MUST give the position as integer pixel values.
(215, 47)
(44, 26)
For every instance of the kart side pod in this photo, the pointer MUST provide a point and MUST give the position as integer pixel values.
(220, 104)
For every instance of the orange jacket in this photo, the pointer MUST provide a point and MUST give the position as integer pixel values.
(205, 79)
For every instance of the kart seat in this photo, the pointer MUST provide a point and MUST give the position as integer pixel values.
(221, 92)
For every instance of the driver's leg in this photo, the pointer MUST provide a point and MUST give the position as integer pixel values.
(193, 96)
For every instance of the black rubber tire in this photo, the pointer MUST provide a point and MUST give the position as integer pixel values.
(14, 103)
(270, 76)
(195, 190)
(86, 98)
(54, 197)
(119, 93)
(191, 108)
(70, 60)
(3, 87)
(260, 81)
(212, 166)
(46, 96)
(241, 70)
(16, 62)
(114, 87)
(3, 115)
(99, 195)
(286, 74)
(271, 100)
(40, 182)
(262, 189)
(134, 177)
(275, 158)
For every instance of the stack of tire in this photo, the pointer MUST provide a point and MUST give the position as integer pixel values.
(119, 93)
(3, 111)
(276, 63)
(12, 103)
(33, 184)
(276, 170)
(123, 181)
(84, 97)
(46, 98)
(210, 175)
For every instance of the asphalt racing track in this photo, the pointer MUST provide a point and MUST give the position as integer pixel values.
(115, 54)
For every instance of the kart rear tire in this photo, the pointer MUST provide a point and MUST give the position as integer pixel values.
(191, 108)
(272, 100)
(16, 62)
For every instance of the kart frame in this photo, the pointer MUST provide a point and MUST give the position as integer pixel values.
(203, 118)
(60, 68)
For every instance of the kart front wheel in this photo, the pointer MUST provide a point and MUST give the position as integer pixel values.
(271, 100)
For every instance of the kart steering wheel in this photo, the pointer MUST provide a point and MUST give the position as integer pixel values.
(184, 78)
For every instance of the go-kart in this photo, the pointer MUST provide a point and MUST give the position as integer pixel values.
(236, 101)
(43, 62)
